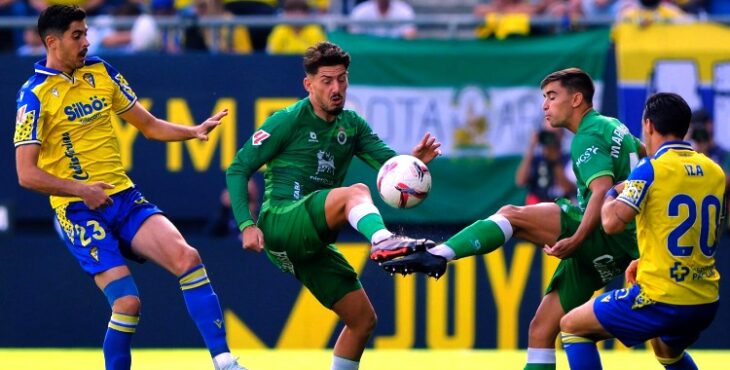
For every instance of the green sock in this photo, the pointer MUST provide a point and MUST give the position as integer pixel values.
(539, 367)
(481, 237)
(370, 224)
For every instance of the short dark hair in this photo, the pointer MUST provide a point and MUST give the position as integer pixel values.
(573, 79)
(56, 19)
(323, 54)
(668, 113)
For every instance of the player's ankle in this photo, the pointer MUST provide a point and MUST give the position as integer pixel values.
(444, 251)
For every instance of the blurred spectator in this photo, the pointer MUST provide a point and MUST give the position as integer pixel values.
(223, 223)
(646, 12)
(235, 39)
(701, 134)
(258, 35)
(543, 172)
(601, 8)
(104, 38)
(33, 44)
(505, 7)
(383, 10)
(291, 39)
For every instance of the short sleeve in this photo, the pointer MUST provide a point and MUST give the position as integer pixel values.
(27, 118)
(124, 96)
(637, 185)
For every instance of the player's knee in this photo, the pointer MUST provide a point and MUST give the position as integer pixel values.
(187, 259)
(128, 305)
(509, 211)
(567, 324)
(123, 296)
(366, 324)
(359, 189)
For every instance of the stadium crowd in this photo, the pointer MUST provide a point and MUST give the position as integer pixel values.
(145, 34)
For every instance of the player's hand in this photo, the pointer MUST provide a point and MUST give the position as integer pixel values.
(253, 239)
(427, 149)
(630, 274)
(94, 195)
(202, 130)
(563, 248)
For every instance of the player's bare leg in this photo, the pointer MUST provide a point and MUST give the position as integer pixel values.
(359, 317)
(353, 204)
(159, 240)
(544, 329)
(539, 223)
(668, 356)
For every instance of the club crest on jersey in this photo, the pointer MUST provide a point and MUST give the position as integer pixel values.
(89, 78)
(341, 136)
(259, 137)
(313, 137)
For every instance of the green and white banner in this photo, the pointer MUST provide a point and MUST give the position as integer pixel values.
(481, 99)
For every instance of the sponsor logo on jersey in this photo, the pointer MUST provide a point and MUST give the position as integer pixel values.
(75, 164)
(325, 162)
(20, 115)
(94, 252)
(87, 111)
(89, 78)
(54, 92)
(587, 155)
(259, 137)
(313, 137)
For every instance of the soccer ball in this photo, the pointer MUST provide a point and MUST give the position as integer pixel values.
(404, 181)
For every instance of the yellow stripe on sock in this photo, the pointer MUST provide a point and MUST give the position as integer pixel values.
(668, 361)
(202, 282)
(195, 275)
(122, 328)
(572, 338)
(125, 319)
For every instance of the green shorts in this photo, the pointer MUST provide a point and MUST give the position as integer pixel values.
(597, 261)
(297, 240)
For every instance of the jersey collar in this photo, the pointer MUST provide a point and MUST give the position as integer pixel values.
(674, 145)
(40, 68)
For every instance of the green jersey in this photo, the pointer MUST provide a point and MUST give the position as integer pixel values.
(303, 154)
(602, 146)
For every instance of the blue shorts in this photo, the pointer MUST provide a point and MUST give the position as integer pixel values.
(100, 239)
(630, 318)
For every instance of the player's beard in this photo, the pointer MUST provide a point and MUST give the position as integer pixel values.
(335, 111)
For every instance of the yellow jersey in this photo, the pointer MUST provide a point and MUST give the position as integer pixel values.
(69, 116)
(678, 194)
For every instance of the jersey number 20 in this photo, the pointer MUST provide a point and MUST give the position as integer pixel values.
(707, 229)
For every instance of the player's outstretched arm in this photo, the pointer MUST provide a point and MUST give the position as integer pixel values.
(157, 129)
(591, 219)
(427, 149)
(30, 176)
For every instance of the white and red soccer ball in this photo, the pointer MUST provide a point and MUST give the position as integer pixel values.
(404, 181)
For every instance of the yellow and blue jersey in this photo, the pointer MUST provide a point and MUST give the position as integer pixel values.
(678, 194)
(69, 116)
